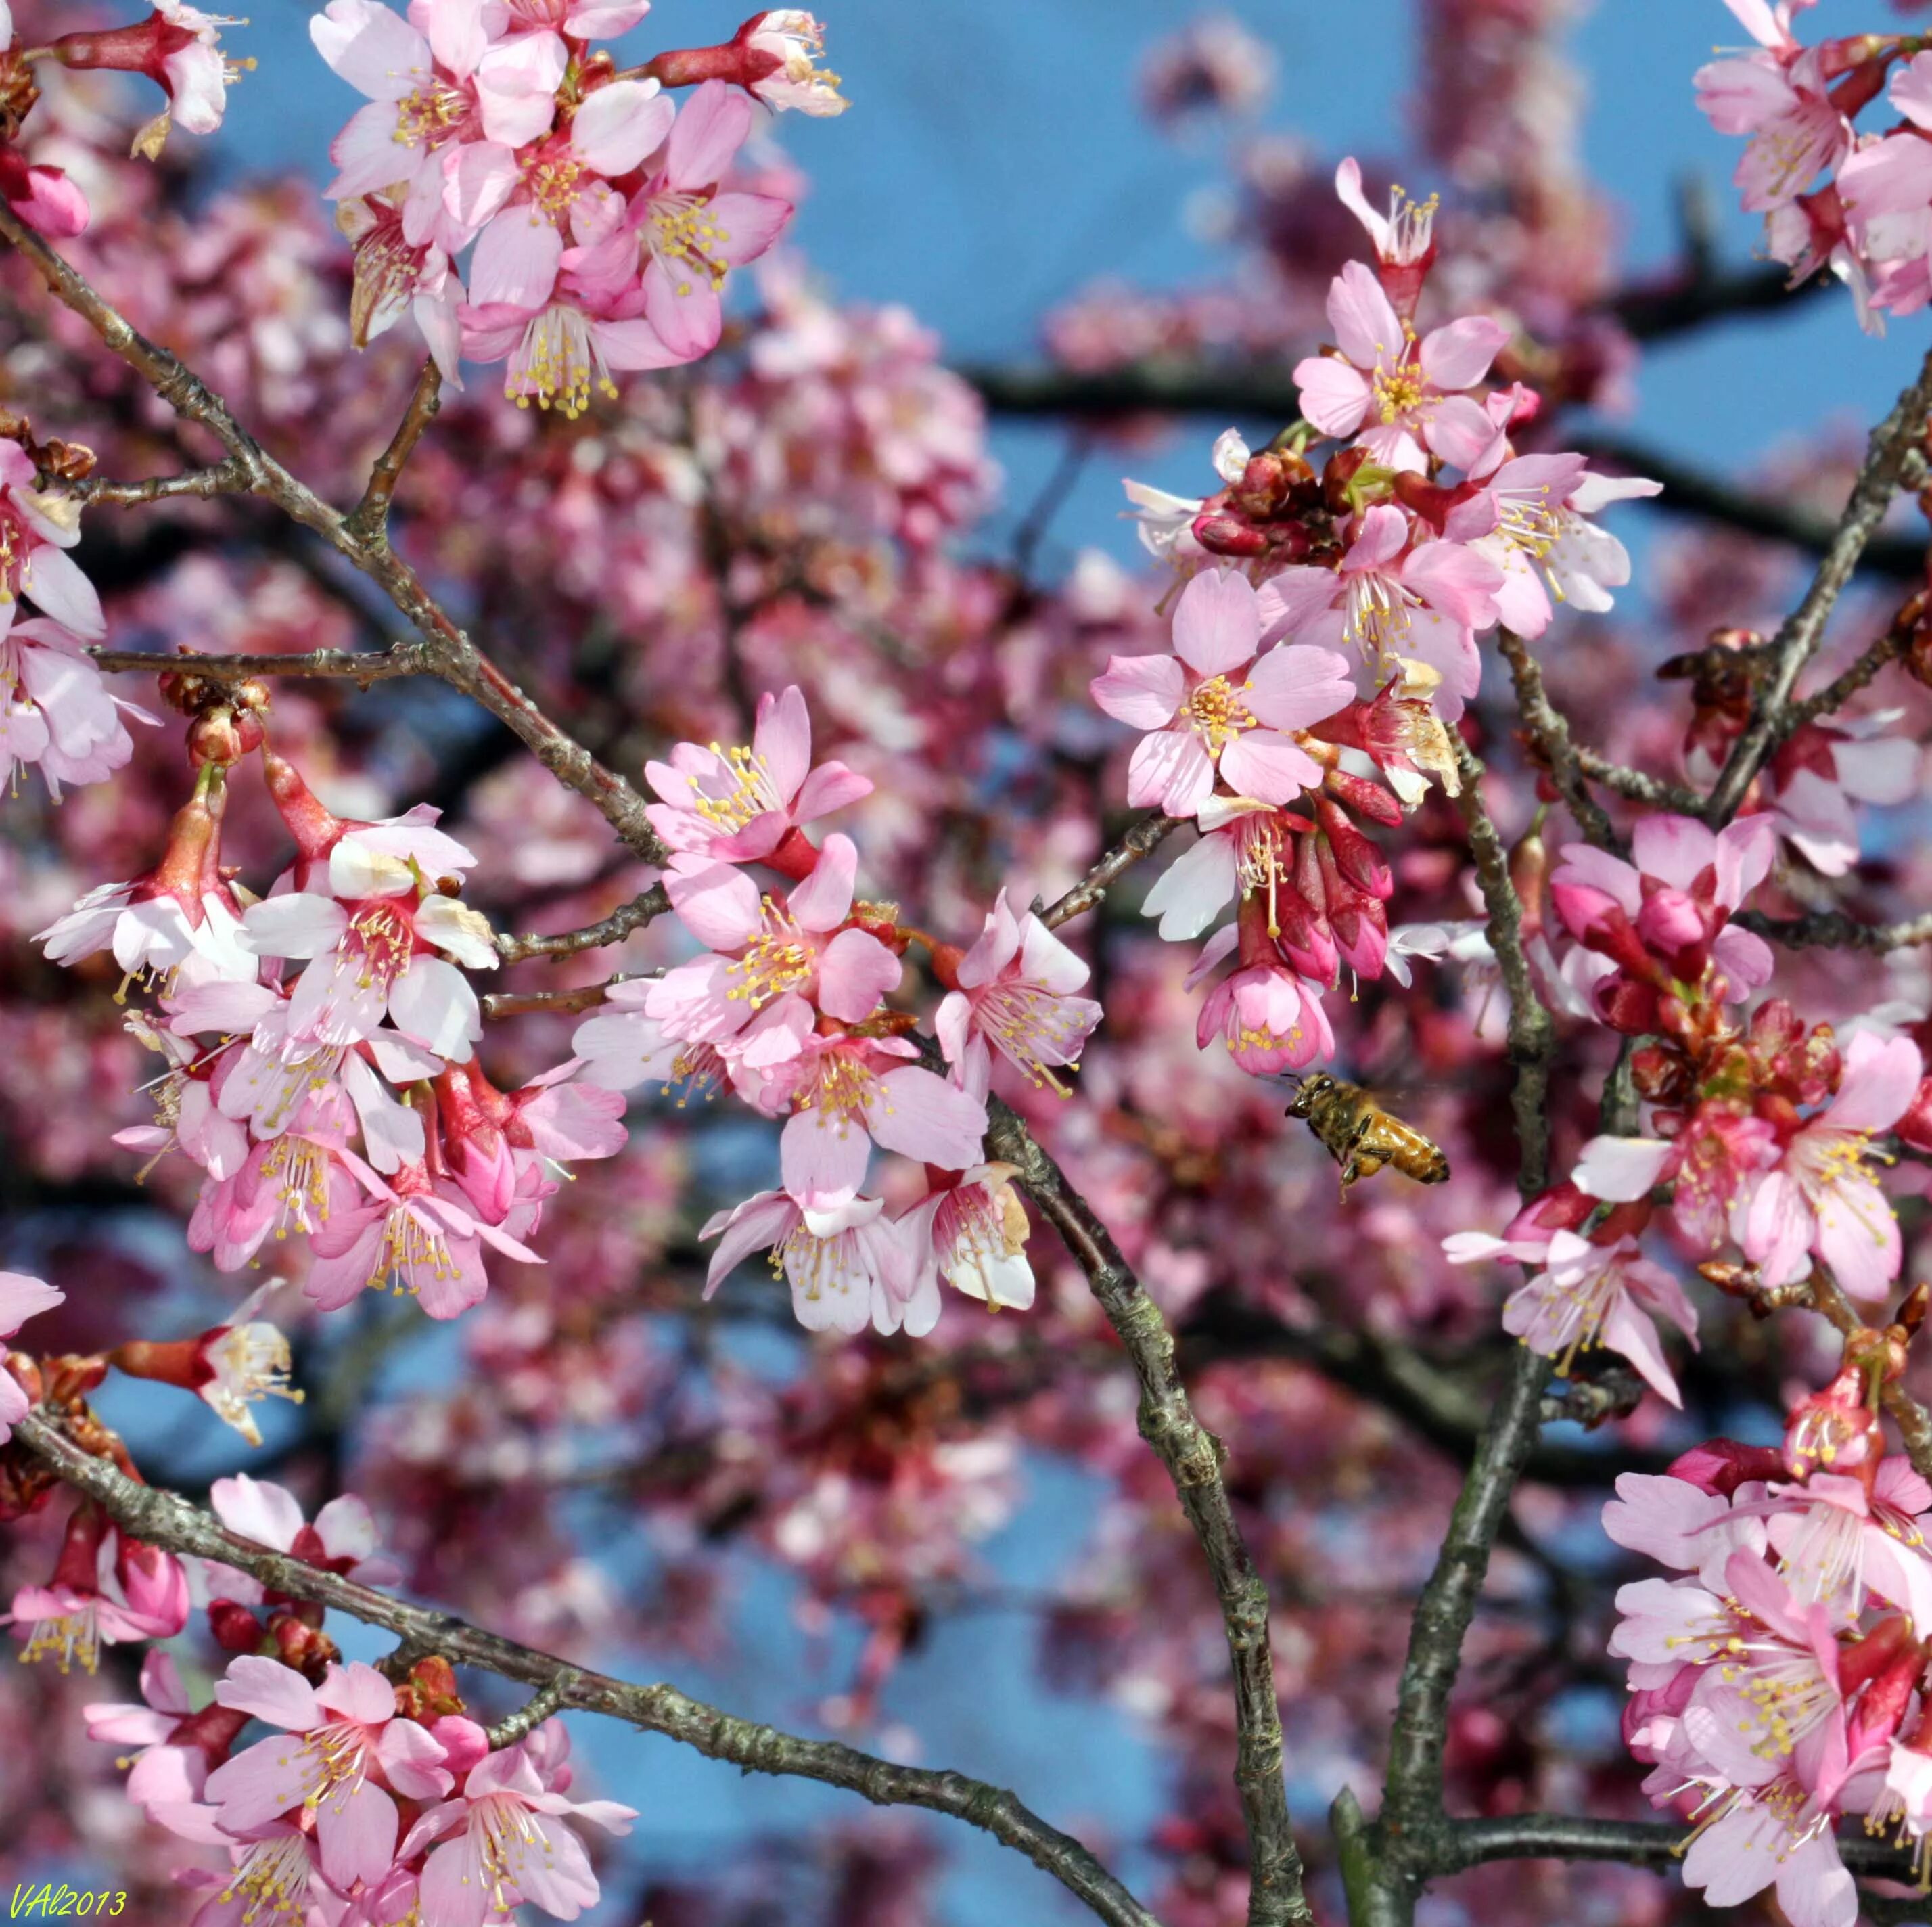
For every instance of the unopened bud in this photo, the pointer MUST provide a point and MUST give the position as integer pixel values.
(235, 1629)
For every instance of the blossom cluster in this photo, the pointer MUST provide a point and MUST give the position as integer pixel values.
(1761, 1129)
(784, 1006)
(1325, 642)
(1855, 202)
(366, 1800)
(1776, 1685)
(603, 225)
(341, 1017)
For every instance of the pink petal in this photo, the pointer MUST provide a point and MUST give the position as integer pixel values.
(1269, 767)
(711, 127)
(516, 259)
(272, 1691)
(1620, 1170)
(719, 905)
(1367, 328)
(357, 1826)
(1857, 1237)
(22, 1297)
(856, 971)
(781, 740)
(920, 1115)
(1143, 691)
(619, 124)
(1458, 355)
(823, 1158)
(1170, 768)
(1335, 394)
(829, 787)
(744, 225)
(1295, 686)
(1216, 625)
(257, 1510)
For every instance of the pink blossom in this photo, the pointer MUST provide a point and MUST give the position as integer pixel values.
(847, 1265)
(21, 1298)
(514, 1845)
(1821, 1200)
(846, 1092)
(409, 1234)
(395, 277)
(737, 805)
(1410, 394)
(1820, 771)
(770, 960)
(1796, 132)
(1404, 238)
(178, 47)
(1394, 601)
(556, 193)
(165, 1772)
(342, 1752)
(56, 711)
(621, 1047)
(342, 1539)
(787, 42)
(431, 95)
(1271, 1020)
(686, 232)
(383, 938)
(107, 1590)
(1530, 518)
(1586, 1294)
(38, 527)
(1201, 720)
(43, 197)
(973, 1233)
(1015, 996)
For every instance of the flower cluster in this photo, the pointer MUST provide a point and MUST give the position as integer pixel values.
(177, 46)
(603, 225)
(1422, 529)
(341, 1017)
(1776, 1686)
(367, 1801)
(785, 1005)
(1854, 202)
(1761, 1128)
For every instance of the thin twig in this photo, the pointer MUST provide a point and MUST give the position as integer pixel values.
(1797, 639)
(223, 478)
(614, 928)
(159, 1518)
(1146, 836)
(400, 658)
(1531, 1033)
(1913, 1421)
(1192, 1456)
(554, 1003)
(368, 521)
(1833, 930)
(1549, 733)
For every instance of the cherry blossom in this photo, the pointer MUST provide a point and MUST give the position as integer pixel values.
(21, 1298)
(1200, 720)
(107, 1590)
(1410, 393)
(974, 1234)
(769, 960)
(1015, 994)
(1821, 1199)
(1394, 600)
(740, 805)
(847, 1265)
(514, 1844)
(38, 527)
(343, 1754)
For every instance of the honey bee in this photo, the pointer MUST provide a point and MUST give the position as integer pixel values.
(1361, 1136)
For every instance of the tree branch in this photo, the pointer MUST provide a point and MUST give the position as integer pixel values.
(1193, 1458)
(1145, 837)
(1797, 639)
(1833, 930)
(159, 1518)
(399, 659)
(223, 478)
(368, 521)
(450, 654)
(611, 929)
